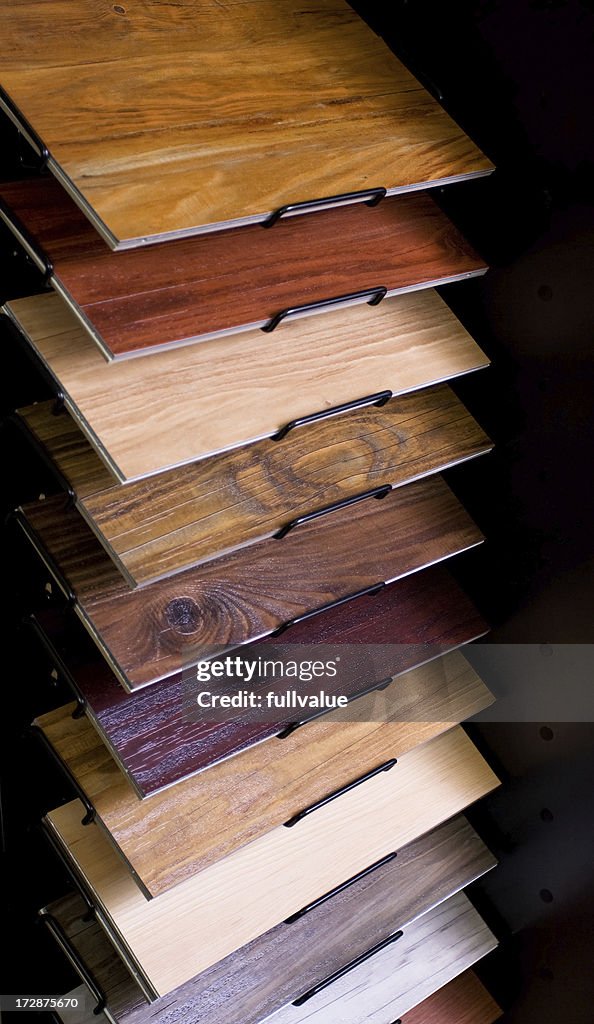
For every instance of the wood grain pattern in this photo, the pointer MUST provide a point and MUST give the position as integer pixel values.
(145, 415)
(265, 103)
(431, 951)
(231, 902)
(280, 964)
(198, 289)
(462, 1001)
(189, 826)
(187, 516)
(423, 616)
(150, 633)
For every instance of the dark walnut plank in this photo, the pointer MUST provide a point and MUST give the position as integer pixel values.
(423, 615)
(197, 822)
(150, 633)
(174, 520)
(260, 885)
(146, 415)
(199, 288)
(464, 1000)
(289, 959)
(220, 113)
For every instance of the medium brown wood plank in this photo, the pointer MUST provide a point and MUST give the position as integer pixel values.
(149, 731)
(145, 415)
(189, 826)
(463, 1001)
(150, 633)
(276, 967)
(238, 898)
(197, 512)
(264, 104)
(198, 289)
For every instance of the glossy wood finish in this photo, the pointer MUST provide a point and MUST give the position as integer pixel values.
(146, 415)
(266, 103)
(280, 964)
(462, 1001)
(205, 918)
(149, 733)
(189, 826)
(187, 516)
(150, 633)
(432, 951)
(201, 288)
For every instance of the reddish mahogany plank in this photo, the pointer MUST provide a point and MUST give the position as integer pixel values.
(427, 614)
(199, 288)
(463, 1001)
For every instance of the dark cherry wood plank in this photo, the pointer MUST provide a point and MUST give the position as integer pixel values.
(200, 287)
(150, 633)
(423, 615)
(289, 959)
(464, 1000)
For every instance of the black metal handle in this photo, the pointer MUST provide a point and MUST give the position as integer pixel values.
(347, 968)
(77, 962)
(369, 196)
(340, 792)
(366, 592)
(373, 297)
(82, 796)
(24, 127)
(289, 729)
(44, 555)
(59, 664)
(69, 868)
(378, 400)
(340, 888)
(28, 243)
(377, 492)
(42, 453)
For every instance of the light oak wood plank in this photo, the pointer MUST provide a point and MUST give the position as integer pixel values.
(265, 103)
(189, 826)
(276, 967)
(462, 1001)
(201, 289)
(149, 732)
(150, 414)
(153, 632)
(202, 920)
(187, 516)
(429, 953)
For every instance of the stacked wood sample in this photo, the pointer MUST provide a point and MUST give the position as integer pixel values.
(265, 104)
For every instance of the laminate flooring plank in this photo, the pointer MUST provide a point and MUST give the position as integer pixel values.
(202, 289)
(189, 826)
(276, 967)
(464, 1000)
(188, 929)
(149, 732)
(265, 103)
(151, 633)
(146, 415)
(427, 955)
(187, 516)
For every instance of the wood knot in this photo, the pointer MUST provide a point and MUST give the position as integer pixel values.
(118, 9)
(183, 614)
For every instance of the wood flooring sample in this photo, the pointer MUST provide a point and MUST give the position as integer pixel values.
(149, 732)
(200, 289)
(202, 920)
(189, 826)
(146, 415)
(427, 955)
(274, 968)
(189, 515)
(151, 633)
(216, 114)
(462, 1001)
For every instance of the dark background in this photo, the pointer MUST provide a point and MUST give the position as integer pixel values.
(517, 75)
